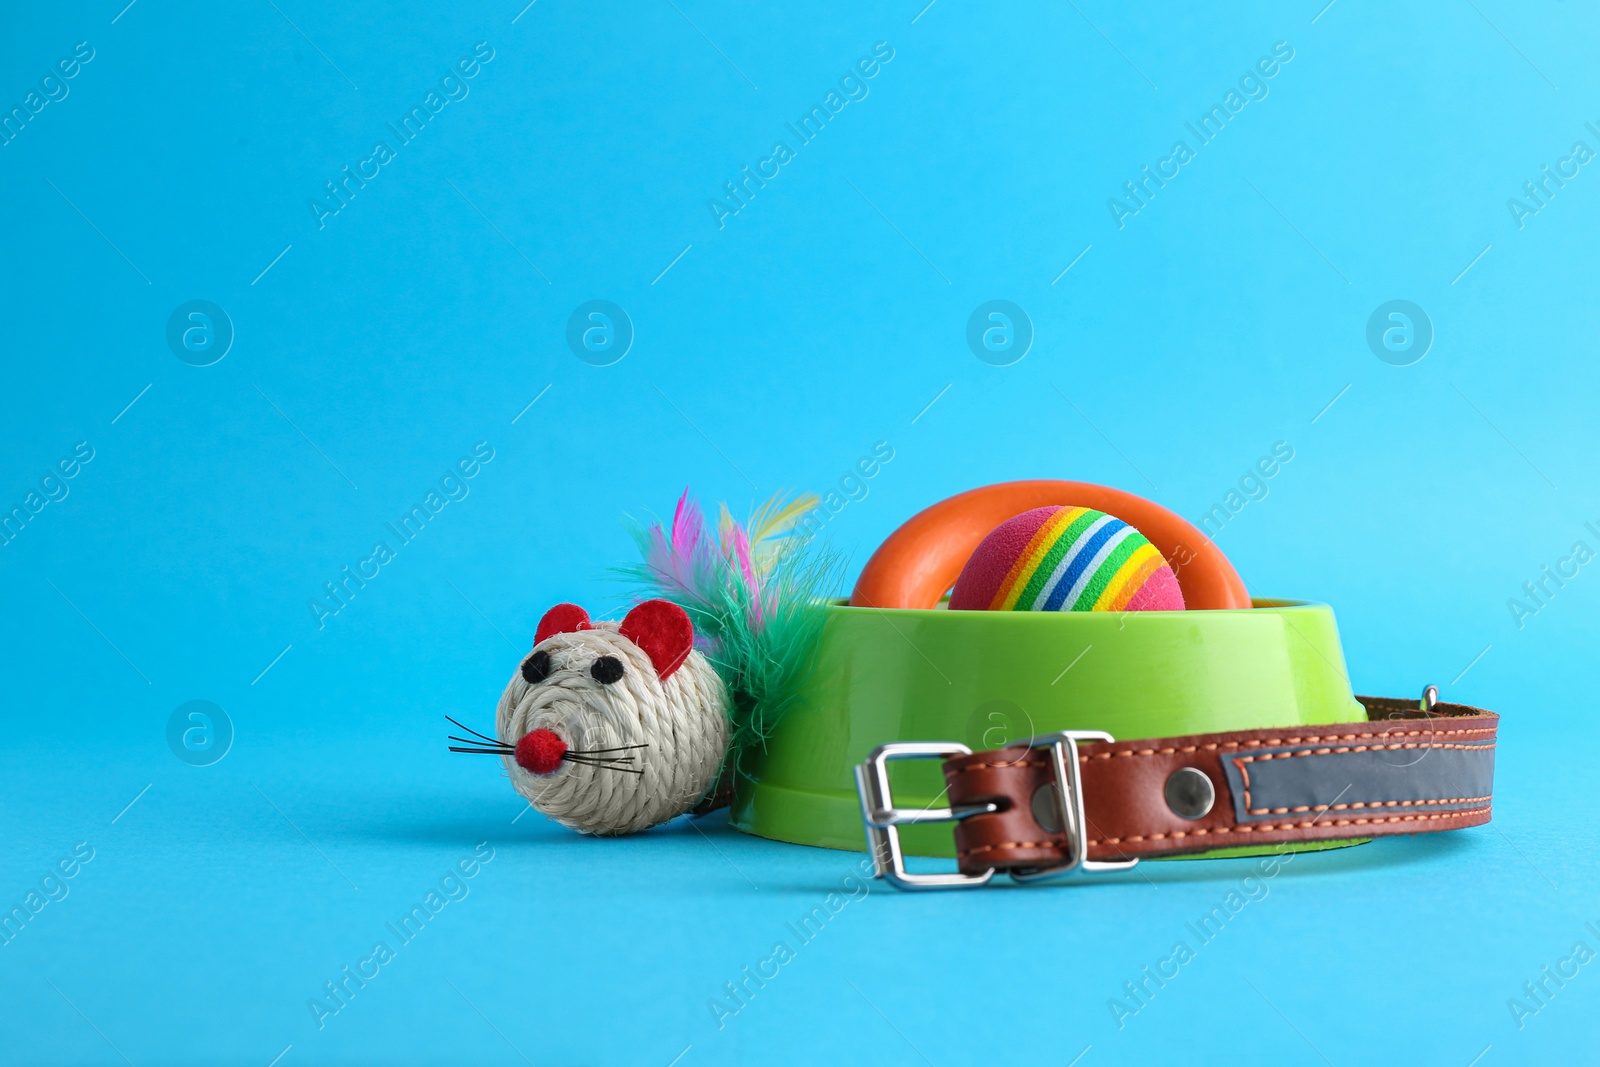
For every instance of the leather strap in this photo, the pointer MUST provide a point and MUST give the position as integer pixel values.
(1403, 772)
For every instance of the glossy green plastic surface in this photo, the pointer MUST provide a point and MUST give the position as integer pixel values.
(988, 678)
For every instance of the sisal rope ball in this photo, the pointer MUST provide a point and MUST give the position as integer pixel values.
(611, 728)
(1066, 559)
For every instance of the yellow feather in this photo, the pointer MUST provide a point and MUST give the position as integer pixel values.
(775, 519)
(725, 527)
(771, 526)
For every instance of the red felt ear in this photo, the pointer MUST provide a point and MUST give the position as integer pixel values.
(663, 630)
(562, 619)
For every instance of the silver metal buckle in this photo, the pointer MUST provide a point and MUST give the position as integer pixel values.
(882, 819)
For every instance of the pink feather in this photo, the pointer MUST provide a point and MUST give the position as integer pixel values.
(687, 524)
(688, 531)
(683, 560)
(741, 549)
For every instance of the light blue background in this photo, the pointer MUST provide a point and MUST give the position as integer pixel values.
(823, 318)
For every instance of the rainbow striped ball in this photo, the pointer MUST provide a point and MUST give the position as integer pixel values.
(1066, 559)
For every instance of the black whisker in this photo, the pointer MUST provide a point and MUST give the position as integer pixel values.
(598, 759)
(498, 744)
(485, 751)
(598, 751)
(606, 766)
(474, 733)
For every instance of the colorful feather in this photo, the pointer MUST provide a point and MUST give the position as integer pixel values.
(741, 551)
(772, 526)
(687, 526)
(755, 593)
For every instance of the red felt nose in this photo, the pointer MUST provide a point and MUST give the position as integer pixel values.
(540, 751)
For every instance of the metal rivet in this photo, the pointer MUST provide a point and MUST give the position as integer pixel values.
(1189, 793)
(1047, 808)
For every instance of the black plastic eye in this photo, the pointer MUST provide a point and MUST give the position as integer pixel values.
(536, 668)
(606, 669)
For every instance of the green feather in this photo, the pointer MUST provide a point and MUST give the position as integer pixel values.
(761, 642)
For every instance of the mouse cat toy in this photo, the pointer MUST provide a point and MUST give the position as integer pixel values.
(610, 728)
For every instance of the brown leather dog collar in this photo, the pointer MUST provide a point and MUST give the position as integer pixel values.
(1081, 800)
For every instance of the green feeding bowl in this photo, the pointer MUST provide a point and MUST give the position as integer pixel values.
(989, 678)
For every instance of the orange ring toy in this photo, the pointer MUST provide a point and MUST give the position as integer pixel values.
(920, 561)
